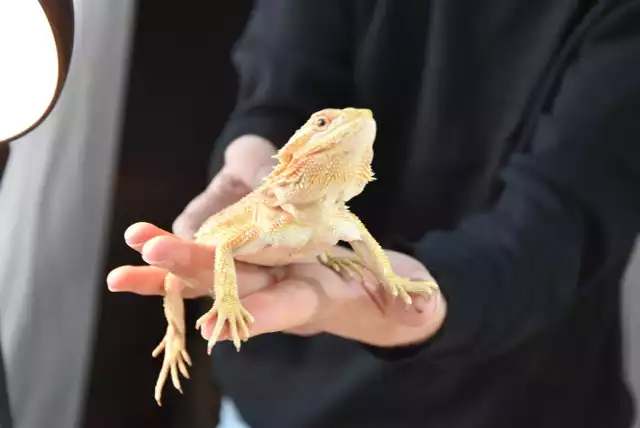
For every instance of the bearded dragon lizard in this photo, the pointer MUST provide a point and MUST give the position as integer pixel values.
(299, 211)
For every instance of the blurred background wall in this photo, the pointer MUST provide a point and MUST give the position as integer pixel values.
(54, 210)
(180, 89)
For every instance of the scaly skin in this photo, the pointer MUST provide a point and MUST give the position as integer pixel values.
(299, 211)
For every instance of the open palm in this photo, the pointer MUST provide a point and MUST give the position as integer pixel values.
(303, 298)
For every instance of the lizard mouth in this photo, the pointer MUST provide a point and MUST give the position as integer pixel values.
(366, 130)
(358, 126)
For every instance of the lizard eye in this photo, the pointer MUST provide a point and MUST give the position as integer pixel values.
(321, 123)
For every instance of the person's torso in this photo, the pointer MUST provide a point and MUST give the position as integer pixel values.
(452, 85)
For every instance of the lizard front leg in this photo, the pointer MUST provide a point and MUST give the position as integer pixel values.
(173, 344)
(226, 307)
(375, 259)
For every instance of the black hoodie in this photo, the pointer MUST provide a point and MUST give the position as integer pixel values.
(508, 162)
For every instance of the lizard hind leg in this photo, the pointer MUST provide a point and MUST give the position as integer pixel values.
(227, 308)
(176, 357)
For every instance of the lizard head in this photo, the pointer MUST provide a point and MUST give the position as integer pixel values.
(328, 158)
(349, 131)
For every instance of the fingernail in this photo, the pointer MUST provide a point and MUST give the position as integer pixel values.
(110, 281)
(422, 304)
(129, 240)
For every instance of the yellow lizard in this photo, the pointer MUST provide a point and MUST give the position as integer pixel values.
(299, 211)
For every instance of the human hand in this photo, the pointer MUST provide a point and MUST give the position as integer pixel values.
(303, 298)
(246, 161)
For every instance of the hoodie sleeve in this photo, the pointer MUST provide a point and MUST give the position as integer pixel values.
(567, 217)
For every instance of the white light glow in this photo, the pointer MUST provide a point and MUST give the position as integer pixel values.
(28, 65)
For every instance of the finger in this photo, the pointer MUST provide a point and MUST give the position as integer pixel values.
(184, 258)
(250, 158)
(188, 222)
(422, 309)
(194, 263)
(223, 191)
(290, 304)
(138, 234)
(149, 281)
(143, 280)
(146, 281)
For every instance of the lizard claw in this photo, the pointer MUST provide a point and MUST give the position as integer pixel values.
(175, 357)
(397, 285)
(344, 265)
(227, 310)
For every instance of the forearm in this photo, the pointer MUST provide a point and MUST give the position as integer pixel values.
(567, 217)
(511, 272)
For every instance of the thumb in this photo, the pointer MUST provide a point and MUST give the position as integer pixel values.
(248, 160)
(224, 190)
(261, 173)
